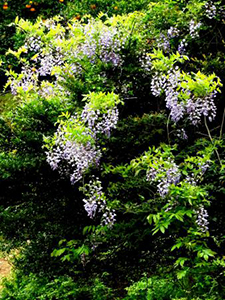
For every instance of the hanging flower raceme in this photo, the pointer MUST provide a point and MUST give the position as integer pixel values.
(72, 150)
(194, 29)
(24, 82)
(165, 175)
(202, 218)
(101, 114)
(99, 41)
(190, 96)
(210, 10)
(95, 202)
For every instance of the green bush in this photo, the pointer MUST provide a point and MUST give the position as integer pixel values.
(154, 288)
(31, 287)
(112, 161)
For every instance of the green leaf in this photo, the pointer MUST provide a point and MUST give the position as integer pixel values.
(181, 261)
(181, 274)
(178, 245)
(58, 252)
(162, 229)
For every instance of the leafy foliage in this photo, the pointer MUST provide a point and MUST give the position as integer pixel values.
(112, 157)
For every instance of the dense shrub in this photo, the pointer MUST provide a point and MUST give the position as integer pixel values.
(112, 161)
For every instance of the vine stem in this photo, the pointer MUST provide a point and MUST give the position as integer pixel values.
(221, 128)
(167, 129)
(211, 139)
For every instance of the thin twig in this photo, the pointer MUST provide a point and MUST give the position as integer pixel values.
(221, 128)
(130, 98)
(211, 139)
(214, 128)
(167, 128)
(203, 134)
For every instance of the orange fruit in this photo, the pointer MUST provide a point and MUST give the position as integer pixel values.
(28, 6)
(116, 7)
(77, 17)
(93, 6)
(5, 6)
(32, 9)
(61, 1)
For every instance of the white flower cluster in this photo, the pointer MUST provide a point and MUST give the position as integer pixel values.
(194, 29)
(194, 179)
(105, 44)
(163, 42)
(182, 47)
(204, 167)
(48, 61)
(33, 43)
(98, 122)
(191, 179)
(110, 45)
(202, 218)
(181, 133)
(210, 10)
(145, 62)
(96, 203)
(171, 175)
(72, 157)
(45, 62)
(173, 32)
(176, 107)
(193, 107)
(74, 154)
(26, 81)
(201, 107)
(158, 84)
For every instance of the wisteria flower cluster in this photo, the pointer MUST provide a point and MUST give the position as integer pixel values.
(49, 90)
(96, 202)
(26, 81)
(194, 29)
(158, 84)
(202, 218)
(145, 62)
(165, 176)
(67, 53)
(48, 61)
(210, 10)
(187, 95)
(163, 42)
(29, 78)
(100, 114)
(182, 47)
(196, 108)
(73, 150)
(100, 123)
(181, 133)
(169, 83)
(182, 186)
(196, 166)
(173, 32)
(99, 42)
(110, 46)
(33, 43)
